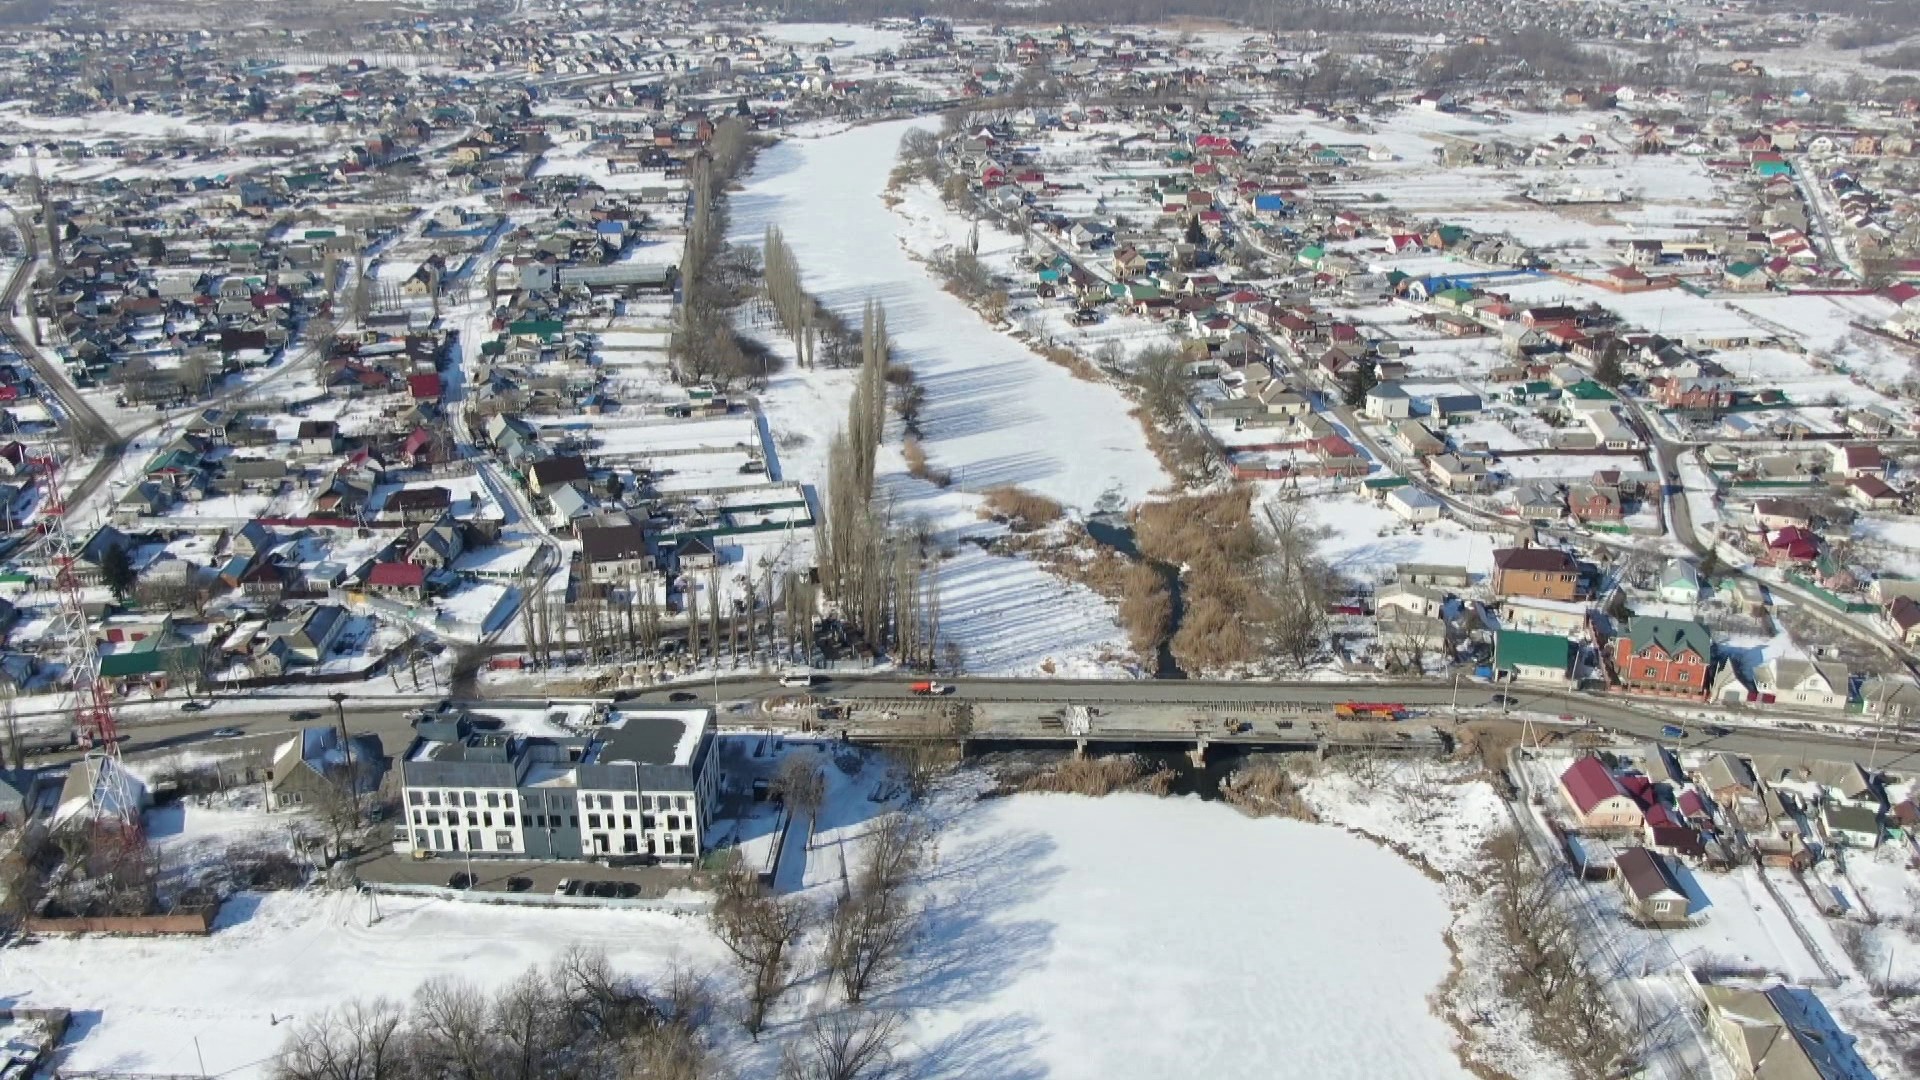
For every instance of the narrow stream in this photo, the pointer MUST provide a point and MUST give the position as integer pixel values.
(1113, 531)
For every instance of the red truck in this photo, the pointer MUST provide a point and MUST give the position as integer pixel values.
(930, 689)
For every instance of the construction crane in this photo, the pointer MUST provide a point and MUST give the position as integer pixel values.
(114, 805)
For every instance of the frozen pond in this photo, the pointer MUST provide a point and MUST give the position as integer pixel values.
(1130, 938)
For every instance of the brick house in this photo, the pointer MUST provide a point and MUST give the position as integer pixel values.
(1663, 656)
(1542, 573)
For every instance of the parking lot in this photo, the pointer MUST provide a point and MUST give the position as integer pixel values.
(529, 877)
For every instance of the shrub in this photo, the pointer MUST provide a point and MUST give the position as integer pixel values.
(1026, 510)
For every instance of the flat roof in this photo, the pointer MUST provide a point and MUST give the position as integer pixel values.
(654, 736)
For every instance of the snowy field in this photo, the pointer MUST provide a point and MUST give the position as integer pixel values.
(1128, 938)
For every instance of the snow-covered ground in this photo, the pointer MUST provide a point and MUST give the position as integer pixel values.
(1127, 938)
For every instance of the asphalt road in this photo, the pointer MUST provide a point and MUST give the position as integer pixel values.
(1430, 702)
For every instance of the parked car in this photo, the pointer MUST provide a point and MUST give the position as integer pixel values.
(226, 733)
(461, 880)
(1673, 731)
(683, 695)
(519, 884)
(304, 714)
(195, 706)
(567, 887)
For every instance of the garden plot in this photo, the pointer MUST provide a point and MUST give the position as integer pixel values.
(1563, 467)
(1366, 540)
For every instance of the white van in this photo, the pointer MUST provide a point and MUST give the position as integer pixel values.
(798, 679)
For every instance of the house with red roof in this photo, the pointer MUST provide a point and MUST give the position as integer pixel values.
(426, 387)
(400, 580)
(1791, 546)
(1597, 798)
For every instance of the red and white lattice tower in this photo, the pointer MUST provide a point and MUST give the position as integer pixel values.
(115, 804)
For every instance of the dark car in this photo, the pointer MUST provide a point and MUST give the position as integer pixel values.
(304, 714)
(195, 706)
(519, 884)
(629, 890)
(606, 890)
(461, 880)
(683, 695)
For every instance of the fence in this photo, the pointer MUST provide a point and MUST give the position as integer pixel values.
(196, 922)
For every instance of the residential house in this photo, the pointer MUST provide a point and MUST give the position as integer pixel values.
(1597, 799)
(614, 552)
(1782, 1033)
(398, 580)
(1679, 582)
(1653, 893)
(1663, 656)
(1535, 658)
(1806, 684)
(318, 767)
(1544, 573)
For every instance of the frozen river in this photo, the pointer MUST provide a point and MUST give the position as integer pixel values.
(997, 413)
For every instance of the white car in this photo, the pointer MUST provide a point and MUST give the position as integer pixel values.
(799, 679)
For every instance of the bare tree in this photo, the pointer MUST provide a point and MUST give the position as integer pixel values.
(361, 1040)
(853, 1044)
(802, 786)
(875, 919)
(760, 931)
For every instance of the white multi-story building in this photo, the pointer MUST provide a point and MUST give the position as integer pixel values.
(642, 788)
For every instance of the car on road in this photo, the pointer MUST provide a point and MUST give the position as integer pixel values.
(461, 880)
(567, 887)
(519, 884)
(195, 706)
(226, 733)
(1719, 731)
(629, 890)
(304, 714)
(1673, 731)
(797, 679)
(931, 689)
(683, 695)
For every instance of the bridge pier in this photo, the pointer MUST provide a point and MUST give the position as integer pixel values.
(1079, 749)
(1198, 755)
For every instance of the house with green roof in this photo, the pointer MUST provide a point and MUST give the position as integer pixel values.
(1534, 658)
(1663, 656)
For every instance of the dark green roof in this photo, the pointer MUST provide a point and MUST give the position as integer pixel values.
(123, 664)
(1514, 648)
(1672, 635)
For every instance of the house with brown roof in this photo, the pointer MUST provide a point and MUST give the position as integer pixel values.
(1597, 799)
(1542, 573)
(1653, 893)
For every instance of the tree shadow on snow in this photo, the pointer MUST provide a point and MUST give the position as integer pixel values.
(970, 948)
(1001, 1048)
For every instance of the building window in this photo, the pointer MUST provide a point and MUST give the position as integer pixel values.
(473, 839)
(471, 801)
(413, 798)
(419, 818)
(473, 817)
(679, 802)
(507, 820)
(493, 798)
(646, 802)
(630, 802)
(606, 802)
(487, 819)
(573, 821)
(503, 841)
(433, 798)
(630, 844)
(646, 821)
(420, 838)
(593, 821)
(686, 843)
(433, 818)
(506, 800)
(626, 821)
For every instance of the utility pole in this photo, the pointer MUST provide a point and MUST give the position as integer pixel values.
(346, 741)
